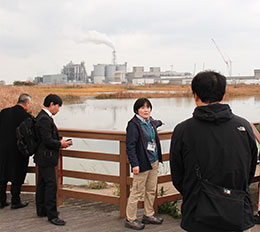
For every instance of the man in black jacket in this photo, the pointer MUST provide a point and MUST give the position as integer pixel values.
(221, 143)
(46, 157)
(13, 165)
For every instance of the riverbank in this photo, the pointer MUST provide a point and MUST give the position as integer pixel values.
(75, 92)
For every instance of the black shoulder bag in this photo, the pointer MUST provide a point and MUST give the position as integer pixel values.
(220, 207)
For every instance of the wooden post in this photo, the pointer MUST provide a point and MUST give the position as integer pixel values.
(58, 179)
(124, 173)
(36, 175)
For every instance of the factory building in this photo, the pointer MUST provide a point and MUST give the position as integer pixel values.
(140, 77)
(99, 74)
(257, 73)
(75, 72)
(71, 73)
(51, 79)
(109, 73)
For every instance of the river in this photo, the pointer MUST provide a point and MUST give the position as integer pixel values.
(113, 114)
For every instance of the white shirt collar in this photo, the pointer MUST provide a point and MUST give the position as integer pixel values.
(142, 119)
(48, 112)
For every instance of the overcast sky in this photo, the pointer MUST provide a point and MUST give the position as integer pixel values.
(39, 37)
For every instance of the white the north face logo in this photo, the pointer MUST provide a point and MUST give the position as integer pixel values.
(241, 128)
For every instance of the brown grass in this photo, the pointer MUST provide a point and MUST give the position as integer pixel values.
(9, 96)
(122, 95)
(180, 91)
(73, 93)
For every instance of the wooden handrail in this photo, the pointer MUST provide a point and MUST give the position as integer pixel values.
(123, 179)
(91, 176)
(89, 196)
(90, 155)
(93, 134)
(106, 135)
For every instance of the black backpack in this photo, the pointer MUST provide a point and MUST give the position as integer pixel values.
(27, 140)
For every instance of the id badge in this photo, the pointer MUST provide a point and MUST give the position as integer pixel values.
(151, 146)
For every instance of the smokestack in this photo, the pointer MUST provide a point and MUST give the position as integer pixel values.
(114, 57)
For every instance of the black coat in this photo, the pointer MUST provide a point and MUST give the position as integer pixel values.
(47, 154)
(135, 144)
(226, 151)
(13, 165)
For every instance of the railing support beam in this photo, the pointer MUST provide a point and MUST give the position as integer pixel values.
(124, 173)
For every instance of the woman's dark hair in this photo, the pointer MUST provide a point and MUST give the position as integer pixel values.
(141, 102)
(52, 98)
(209, 86)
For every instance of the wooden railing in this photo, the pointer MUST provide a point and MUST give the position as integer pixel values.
(123, 179)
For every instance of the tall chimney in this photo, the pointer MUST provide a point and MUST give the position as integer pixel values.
(114, 57)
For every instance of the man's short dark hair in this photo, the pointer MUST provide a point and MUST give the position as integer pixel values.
(23, 98)
(209, 86)
(141, 102)
(52, 98)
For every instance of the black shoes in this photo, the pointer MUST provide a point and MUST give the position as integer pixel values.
(257, 218)
(19, 205)
(4, 204)
(136, 225)
(152, 220)
(57, 221)
(14, 206)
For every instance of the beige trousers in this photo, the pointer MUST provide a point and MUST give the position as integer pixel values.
(249, 230)
(144, 186)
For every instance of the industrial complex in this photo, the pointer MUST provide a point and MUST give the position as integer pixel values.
(113, 73)
(117, 74)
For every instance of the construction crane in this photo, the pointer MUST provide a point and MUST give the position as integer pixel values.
(227, 62)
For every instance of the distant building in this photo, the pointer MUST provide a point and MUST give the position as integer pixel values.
(143, 81)
(257, 73)
(75, 72)
(55, 79)
(174, 77)
(52, 79)
(140, 77)
(38, 80)
(2, 82)
(109, 73)
(245, 79)
(98, 75)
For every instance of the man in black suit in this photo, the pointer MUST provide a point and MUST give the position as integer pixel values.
(46, 157)
(13, 165)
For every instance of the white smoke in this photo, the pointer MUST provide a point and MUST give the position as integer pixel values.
(97, 38)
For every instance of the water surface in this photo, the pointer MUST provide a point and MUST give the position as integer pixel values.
(113, 114)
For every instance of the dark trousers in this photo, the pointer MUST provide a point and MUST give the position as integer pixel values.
(46, 193)
(15, 192)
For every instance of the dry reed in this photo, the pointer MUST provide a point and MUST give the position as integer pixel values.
(9, 96)
(73, 93)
